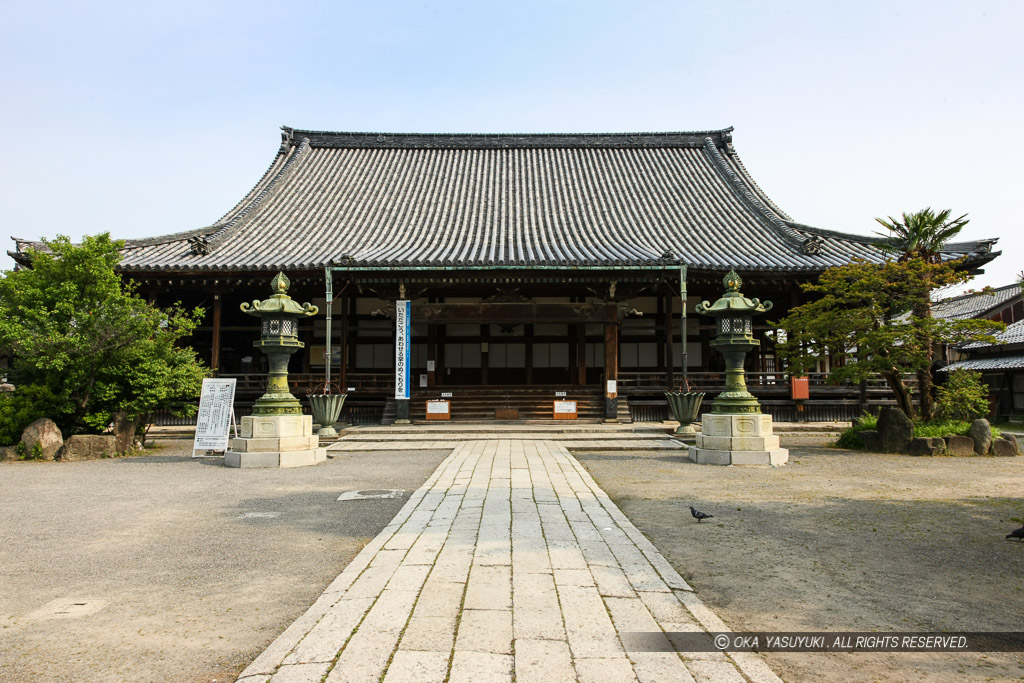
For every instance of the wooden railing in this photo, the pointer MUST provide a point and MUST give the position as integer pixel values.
(301, 384)
(305, 383)
(715, 381)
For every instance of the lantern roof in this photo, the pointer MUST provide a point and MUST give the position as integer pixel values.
(732, 302)
(279, 302)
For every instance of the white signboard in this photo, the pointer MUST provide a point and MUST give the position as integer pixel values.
(216, 407)
(565, 407)
(437, 407)
(612, 387)
(403, 311)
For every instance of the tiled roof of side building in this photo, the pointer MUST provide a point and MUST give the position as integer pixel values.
(983, 364)
(1013, 334)
(383, 200)
(975, 304)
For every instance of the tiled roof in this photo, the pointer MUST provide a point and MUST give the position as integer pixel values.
(475, 201)
(974, 304)
(1013, 334)
(987, 363)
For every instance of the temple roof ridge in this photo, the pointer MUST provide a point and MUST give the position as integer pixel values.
(359, 140)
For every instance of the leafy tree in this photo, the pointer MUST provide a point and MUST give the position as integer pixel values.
(864, 314)
(86, 350)
(922, 235)
(963, 397)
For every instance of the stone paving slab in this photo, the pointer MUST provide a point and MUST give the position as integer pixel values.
(509, 563)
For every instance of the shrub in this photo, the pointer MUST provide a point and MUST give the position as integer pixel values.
(942, 428)
(963, 397)
(850, 437)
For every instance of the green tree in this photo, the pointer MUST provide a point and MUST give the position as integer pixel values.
(922, 235)
(85, 349)
(863, 315)
(963, 397)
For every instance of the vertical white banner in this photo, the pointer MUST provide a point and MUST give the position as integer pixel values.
(403, 343)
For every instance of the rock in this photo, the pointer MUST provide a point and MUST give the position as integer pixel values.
(959, 445)
(895, 430)
(1012, 439)
(1004, 448)
(872, 440)
(44, 433)
(927, 446)
(981, 433)
(88, 447)
(8, 453)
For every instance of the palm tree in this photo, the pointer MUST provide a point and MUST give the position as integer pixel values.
(922, 235)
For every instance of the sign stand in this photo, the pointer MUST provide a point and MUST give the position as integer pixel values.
(216, 416)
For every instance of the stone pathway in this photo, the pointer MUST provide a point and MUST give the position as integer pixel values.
(509, 563)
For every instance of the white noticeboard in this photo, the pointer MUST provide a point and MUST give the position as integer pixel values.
(437, 407)
(216, 410)
(565, 407)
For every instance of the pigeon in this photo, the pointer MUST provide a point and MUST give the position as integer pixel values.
(698, 515)
(1016, 533)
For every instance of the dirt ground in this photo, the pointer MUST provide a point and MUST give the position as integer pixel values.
(171, 569)
(841, 541)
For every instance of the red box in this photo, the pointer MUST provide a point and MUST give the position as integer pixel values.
(799, 388)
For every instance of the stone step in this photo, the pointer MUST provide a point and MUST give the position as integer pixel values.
(446, 441)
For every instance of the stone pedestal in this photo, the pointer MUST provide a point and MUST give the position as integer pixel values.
(275, 441)
(738, 440)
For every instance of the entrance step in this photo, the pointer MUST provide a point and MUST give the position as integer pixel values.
(531, 403)
(573, 436)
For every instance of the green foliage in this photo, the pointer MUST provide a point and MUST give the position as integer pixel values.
(963, 397)
(921, 234)
(865, 421)
(20, 409)
(85, 347)
(25, 454)
(850, 437)
(941, 428)
(868, 315)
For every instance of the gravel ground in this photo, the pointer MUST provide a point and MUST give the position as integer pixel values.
(841, 541)
(192, 568)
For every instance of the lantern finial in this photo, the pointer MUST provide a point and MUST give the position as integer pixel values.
(280, 284)
(732, 281)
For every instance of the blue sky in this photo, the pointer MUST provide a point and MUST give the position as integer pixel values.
(143, 119)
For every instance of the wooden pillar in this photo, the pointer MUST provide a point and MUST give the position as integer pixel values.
(441, 336)
(347, 304)
(485, 352)
(528, 340)
(611, 371)
(667, 331)
(215, 343)
(581, 354)
(431, 354)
